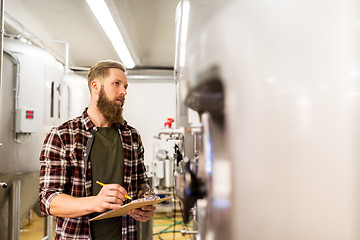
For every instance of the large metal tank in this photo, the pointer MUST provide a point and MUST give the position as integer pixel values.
(34, 98)
(280, 151)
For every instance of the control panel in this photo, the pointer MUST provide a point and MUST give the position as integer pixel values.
(26, 120)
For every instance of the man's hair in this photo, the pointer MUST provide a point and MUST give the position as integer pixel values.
(101, 70)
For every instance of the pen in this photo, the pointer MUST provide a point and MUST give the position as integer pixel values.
(100, 183)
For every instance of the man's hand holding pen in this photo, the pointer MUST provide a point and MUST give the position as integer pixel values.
(111, 196)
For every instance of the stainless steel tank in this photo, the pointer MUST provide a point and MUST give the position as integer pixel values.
(32, 81)
(281, 156)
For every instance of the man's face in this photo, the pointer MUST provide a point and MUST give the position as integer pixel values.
(112, 95)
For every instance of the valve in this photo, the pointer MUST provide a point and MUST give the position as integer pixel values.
(178, 154)
(169, 122)
(194, 189)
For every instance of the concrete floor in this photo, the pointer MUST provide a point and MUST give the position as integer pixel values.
(34, 230)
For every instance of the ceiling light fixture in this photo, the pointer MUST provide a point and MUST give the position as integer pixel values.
(103, 15)
(182, 24)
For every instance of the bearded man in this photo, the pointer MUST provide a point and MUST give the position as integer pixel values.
(99, 145)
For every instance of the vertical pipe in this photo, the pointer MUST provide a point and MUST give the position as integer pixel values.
(168, 179)
(66, 56)
(49, 227)
(2, 19)
(14, 227)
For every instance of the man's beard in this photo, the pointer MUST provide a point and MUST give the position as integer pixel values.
(111, 110)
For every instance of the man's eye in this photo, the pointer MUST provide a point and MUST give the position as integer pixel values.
(116, 83)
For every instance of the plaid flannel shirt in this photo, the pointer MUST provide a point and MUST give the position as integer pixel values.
(65, 168)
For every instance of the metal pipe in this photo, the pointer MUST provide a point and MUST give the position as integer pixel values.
(184, 232)
(14, 221)
(17, 82)
(170, 131)
(66, 60)
(16, 90)
(15, 24)
(49, 228)
(162, 78)
(2, 19)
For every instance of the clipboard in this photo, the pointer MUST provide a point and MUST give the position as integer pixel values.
(127, 207)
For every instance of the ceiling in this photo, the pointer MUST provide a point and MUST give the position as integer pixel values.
(148, 28)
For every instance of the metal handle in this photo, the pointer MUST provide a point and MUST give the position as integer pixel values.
(184, 232)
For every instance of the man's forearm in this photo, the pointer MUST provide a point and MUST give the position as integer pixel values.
(111, 196)
(64, 205)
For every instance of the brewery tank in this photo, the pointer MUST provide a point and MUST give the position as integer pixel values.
(35, 97)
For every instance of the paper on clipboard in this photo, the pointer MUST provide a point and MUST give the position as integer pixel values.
(127, 207)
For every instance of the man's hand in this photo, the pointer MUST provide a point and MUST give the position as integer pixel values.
(111, 196)
(143, 214)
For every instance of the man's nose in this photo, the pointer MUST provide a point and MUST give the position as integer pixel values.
(123, 91)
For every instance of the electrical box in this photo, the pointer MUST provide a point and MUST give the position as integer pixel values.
(26, 120)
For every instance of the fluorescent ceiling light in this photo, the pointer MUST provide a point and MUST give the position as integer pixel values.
(182, 23)
(102, 13)
(184, 30)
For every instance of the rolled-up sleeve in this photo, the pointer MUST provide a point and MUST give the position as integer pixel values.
(140, 177)
(53, 166)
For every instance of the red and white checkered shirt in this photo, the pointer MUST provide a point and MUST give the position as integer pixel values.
(65, 167)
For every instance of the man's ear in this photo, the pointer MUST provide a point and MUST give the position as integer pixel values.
(95, 86)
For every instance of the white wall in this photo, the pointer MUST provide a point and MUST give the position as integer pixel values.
(79, 94)
(147, 106)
